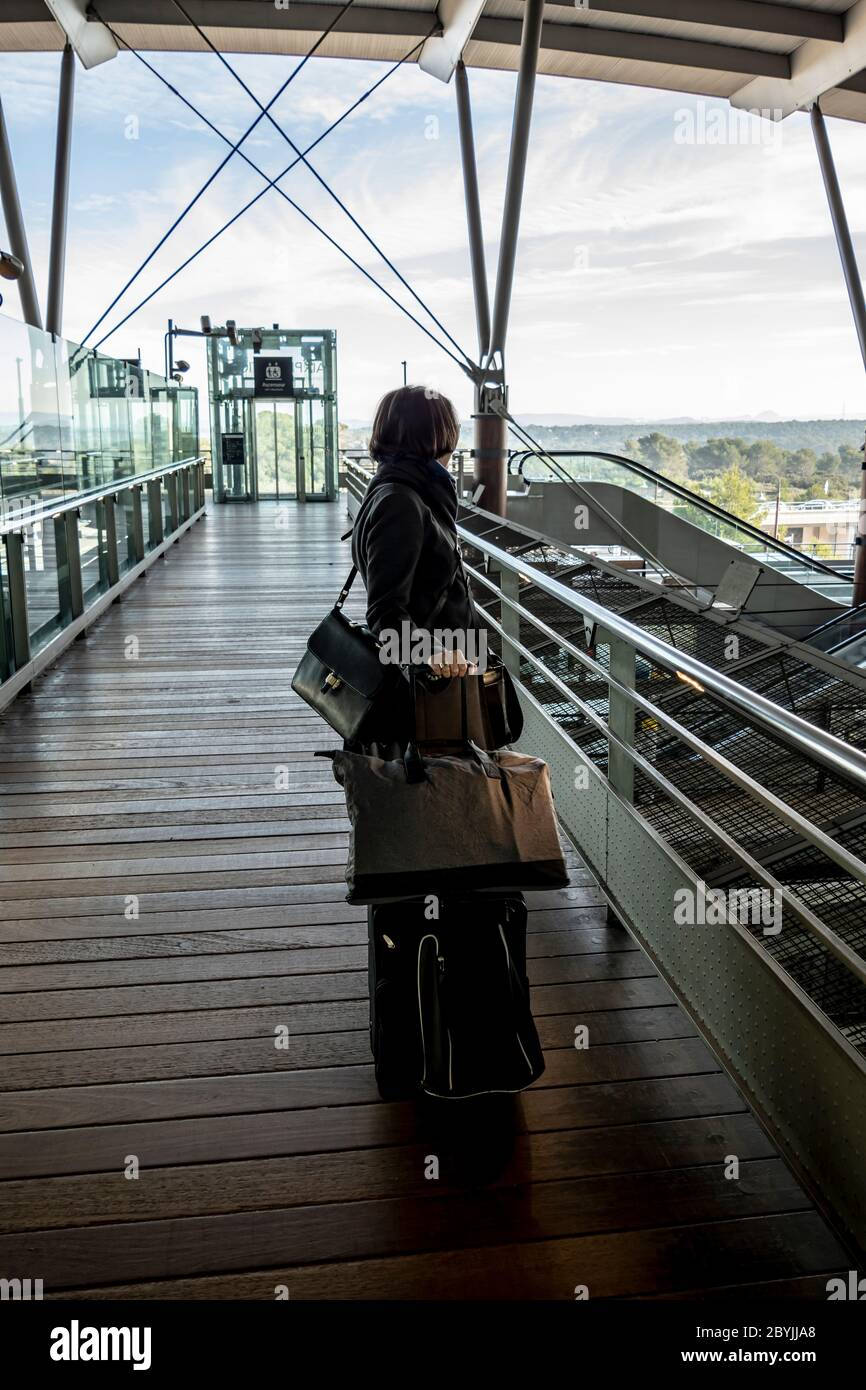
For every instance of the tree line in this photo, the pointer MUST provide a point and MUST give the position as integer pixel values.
(739, 474)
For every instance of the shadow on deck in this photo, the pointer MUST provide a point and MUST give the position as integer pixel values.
(166, 912)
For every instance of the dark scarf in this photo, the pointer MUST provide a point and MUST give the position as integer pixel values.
(425, 476)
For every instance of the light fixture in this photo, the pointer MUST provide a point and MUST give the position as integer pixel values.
(10, 266)
(181, 366)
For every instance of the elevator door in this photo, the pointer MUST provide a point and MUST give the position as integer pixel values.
(276, 449)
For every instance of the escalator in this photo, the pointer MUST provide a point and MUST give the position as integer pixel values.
(636, 513)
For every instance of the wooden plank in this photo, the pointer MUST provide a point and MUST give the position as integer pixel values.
(614, 1265)
(237, 940)
(345, 1041)
(209, 1139)
(395, 1226)
(288, 1087)
(364, 1174)
(95, 974)
(124, 1048)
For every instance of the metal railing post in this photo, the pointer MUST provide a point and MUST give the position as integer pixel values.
(509, 582)
(109, 516)
(68, 558)
(18, 598)
(621, 718)
(136, 534)
(155, 527)
(6, 660)
(171, 489)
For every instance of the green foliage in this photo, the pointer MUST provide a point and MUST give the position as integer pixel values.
(665, 455)
(736, 493)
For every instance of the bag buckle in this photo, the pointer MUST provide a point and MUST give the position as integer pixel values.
(333, 681)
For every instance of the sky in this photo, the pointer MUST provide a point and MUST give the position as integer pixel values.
(673, 260)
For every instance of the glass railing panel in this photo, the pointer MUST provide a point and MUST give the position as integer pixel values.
(186, 423)
(94, 551)
(44, 615)
(29, 427)
(74, 422)
(162, 401)
(80, 423)
(140, 425)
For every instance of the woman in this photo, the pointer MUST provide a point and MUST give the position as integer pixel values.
(405, 537)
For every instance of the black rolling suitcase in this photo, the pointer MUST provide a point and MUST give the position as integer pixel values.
(449, 997)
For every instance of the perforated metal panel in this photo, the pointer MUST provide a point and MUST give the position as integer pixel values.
(799, 1073)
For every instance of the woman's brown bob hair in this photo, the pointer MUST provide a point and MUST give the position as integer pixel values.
(415, 422)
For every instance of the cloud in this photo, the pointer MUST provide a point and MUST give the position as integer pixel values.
(653, 277)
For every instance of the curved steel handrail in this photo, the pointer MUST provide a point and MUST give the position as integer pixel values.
(692, 498)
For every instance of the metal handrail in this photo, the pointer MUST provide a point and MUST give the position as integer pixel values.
(826, 935)
(686, 495)
(814, 743)
(792, 818)
(22, 520)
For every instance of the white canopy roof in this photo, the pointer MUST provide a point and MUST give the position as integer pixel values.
(761, 55)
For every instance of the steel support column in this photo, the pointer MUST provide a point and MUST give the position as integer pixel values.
(530, 41)
(473, 210)
(490, 453)
(854, 284)
(15, 228)
(57, 259)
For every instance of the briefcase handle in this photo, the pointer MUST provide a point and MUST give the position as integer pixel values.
(416, 770)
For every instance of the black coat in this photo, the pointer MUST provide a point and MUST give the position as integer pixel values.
(405, 546)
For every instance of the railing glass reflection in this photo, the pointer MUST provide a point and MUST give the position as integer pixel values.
(73, 420)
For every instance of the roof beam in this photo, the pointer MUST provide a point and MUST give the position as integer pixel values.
(365, 19)
(815, 68)
(759, 16)
(755, 15)
(642, 48)
(565, 38)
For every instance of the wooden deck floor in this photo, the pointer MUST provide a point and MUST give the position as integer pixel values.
(166, 910)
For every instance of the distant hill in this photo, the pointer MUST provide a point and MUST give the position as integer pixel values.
(823, 436)
(609, 436)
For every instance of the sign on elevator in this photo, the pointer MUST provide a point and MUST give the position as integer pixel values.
(273, 377)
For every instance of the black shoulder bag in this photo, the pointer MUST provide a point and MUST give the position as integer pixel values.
(342, 676)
